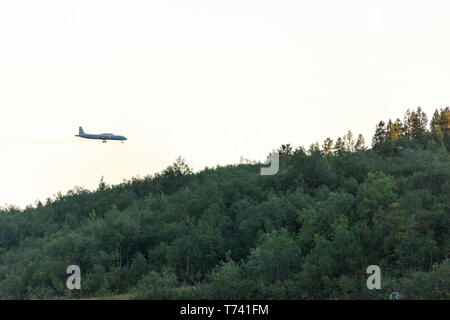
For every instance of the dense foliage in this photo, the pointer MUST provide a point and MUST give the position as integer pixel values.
(308, 232)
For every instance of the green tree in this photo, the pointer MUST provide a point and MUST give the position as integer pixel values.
(157, 286)
(380, 137)
(360, 144)
(275, 258)
(327, 146)
(415, 124)
(339, 146)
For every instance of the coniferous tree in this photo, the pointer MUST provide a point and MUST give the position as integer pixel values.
(314, 148)
(439, 118)
(394, 131)
(285, 150)
(415, 123)
(397, 130)
(339, 146)
(327, 146)
(349, 142)
(380, 136)
(360, 144)
(435, 123)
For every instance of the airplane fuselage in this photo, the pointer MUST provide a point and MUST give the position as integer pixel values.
(102, 136)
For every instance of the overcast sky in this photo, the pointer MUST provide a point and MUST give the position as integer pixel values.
(209, 80)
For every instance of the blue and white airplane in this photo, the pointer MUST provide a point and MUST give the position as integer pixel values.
(102, 136)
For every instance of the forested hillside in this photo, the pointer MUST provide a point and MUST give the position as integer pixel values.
(308, 232)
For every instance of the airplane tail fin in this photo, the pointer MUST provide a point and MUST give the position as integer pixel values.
(80, 130)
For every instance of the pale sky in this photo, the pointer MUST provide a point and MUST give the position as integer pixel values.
(208, 80)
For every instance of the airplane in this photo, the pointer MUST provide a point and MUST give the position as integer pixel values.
(102, 136)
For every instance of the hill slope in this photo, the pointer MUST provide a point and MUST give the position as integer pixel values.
(308, 232)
